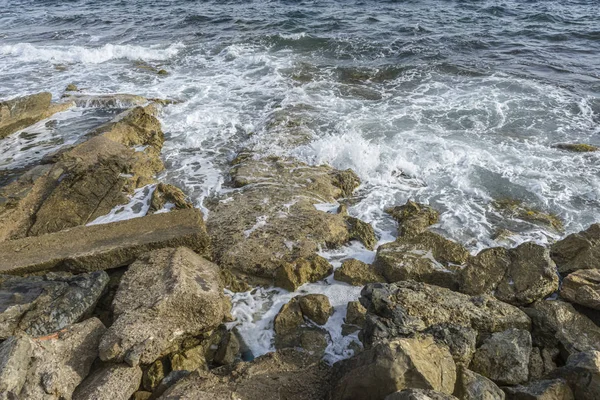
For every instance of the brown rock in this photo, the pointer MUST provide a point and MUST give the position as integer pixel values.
(578, 251)
(164, 194)
(357, 273)
(472, 386)
(361, 231)
(189, 360)
(426, 257)
(111, 382)
(292, 275)
(89, 248)
(541, 390)
(316, 307)
(164, 297)
(388, 367)
(355, 314)
(583, 287)
(289, 317)
(419, 394)
(413, 218)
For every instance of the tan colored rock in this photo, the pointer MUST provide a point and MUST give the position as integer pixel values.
(472, 386)
(61, 361)
(164, 297)
(98, 247)
(15, 355)
(426, 257)
(316, 307)
(558, 323)
(292, 275)
(111, 382)
(361, 231)
(576, 147)
(189, 360)
(272, 221)
(289, 318)
(153, 375)
(578, 251)
(582, 373)
(504, 357)
(357, 273)
(388, 367)
(355, 314)
(404, 308)
(583, 287)
(20, 112)
(556, 389)
(41, 305)
(165, 194)
(413, 218)
(517, 276)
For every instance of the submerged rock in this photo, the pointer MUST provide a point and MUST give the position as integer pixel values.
(395, 365)
(357, 273)
(164, 297)
(271, 221)
(555, 389)
(39, 306)
(404, 308)
(576, 147)
(119, 100)
(413, 218)
(518, 276)
(583, 287)
(111, 382)
(558, 323)
(286, 374)
(425, 257)
(98, 247)
(61, 361)
(504, 357)
(20, 112)
(517, 209)
(578, 251)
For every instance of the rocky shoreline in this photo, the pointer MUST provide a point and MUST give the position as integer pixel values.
(137, 309)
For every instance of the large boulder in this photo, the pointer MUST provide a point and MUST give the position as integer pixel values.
(111, 382)
(582, 373)
(99, 247)
(427, 257)
(164, 297)
(40, 305)
(357, 273)
(504, 357)
(556, 323)
(554, 389)
(61, 361)
(20, 112)
(286, 374)
(518, 276)
(271, 220)
(389, 367)
(403, 308)
(578, 251)
(472, 386)
(582, 287)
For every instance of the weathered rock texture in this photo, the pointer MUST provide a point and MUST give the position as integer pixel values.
(403, 308)
(357, 273)
(472, 386)
(413, 218)
(98, 247)
(425, 257)
(286, 374)
(39, 306)
(578, 250)
(84, 181)
(419, 394)
(558, 324)
(272, 221)
(15, 356)
(292, 275)
(556, 389)
(111, 382)
(61, 361)
(504, 357)
(389, 367)
(518, 276)
(18, 113)
(583, 287)
(164, 297)
(582, 373)
(517, 209)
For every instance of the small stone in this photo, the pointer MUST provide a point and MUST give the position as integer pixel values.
(153, 375)
(583, 287)
(355, 314)
(71, 87)
(316, 307)
(576, 147)
(504, 357)
(141, 395)
(361, 231)
(413, 218)
(357, 273)
(295, 274)
(162, 72)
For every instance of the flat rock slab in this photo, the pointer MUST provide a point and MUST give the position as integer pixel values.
(100, 247)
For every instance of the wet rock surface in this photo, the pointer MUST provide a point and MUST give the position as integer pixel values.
(163, 297)
(292, 275)
(39, 306)
(357, 273)
(393, 366)
(413, 218)
(271, 220)
(98, 247)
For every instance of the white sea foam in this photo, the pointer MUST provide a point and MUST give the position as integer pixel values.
(138, 206)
